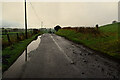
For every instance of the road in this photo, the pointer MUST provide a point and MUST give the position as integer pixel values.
(57, 57)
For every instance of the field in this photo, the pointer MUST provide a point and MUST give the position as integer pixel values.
(12, 49)
(14, 38)
(103, 39)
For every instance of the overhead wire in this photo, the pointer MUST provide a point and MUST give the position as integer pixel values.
(35, 11)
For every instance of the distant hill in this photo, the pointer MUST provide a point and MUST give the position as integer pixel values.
(7, 24)
(110, 27)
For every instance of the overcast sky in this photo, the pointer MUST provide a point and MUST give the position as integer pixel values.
(62, 13)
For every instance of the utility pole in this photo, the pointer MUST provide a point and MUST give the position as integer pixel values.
(25, 21)
(41, 24)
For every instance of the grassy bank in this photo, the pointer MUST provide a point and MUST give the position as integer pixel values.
(14, 37)
(106, 41)
(11, 53)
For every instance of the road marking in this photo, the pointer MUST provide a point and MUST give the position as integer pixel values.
(64, 53)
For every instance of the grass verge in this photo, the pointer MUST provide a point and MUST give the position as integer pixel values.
(106, 42)
(11, 53)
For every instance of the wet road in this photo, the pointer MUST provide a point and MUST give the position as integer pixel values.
(57, 57)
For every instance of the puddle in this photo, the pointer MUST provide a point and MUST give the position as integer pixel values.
(16, 68)
(31, 47)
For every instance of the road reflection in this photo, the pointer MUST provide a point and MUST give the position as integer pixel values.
(18, 65)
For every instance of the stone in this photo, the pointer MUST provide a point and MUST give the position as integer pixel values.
(72, 62)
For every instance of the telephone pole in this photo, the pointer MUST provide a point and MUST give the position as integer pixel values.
(41, 24)
(25, 21)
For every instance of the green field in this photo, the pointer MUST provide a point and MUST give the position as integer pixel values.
(12, 52)
(106, 41)
(13, 38)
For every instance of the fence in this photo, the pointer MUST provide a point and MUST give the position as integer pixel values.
(11, 38)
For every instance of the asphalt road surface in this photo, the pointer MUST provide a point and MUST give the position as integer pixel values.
(57, 57)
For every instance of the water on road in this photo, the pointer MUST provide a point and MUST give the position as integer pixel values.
(56, 57)
(18, 65)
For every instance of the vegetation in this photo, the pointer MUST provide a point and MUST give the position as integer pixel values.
(13, 51)
(57, 27)
(104, 39)
(12, 36)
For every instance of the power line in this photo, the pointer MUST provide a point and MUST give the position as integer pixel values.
(36, 14)
(35, 11)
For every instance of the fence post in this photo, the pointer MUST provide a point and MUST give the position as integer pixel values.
(31, 32)
(23, 35)
(8, 38)
(18, 37)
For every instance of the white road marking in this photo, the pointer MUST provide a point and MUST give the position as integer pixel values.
(61, 49)
(64, 53)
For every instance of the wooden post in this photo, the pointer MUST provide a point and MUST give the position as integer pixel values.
(31, 33)
(22, 36)
(8, 38)
(17, 37)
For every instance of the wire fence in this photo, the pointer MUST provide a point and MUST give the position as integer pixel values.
(12, 38)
